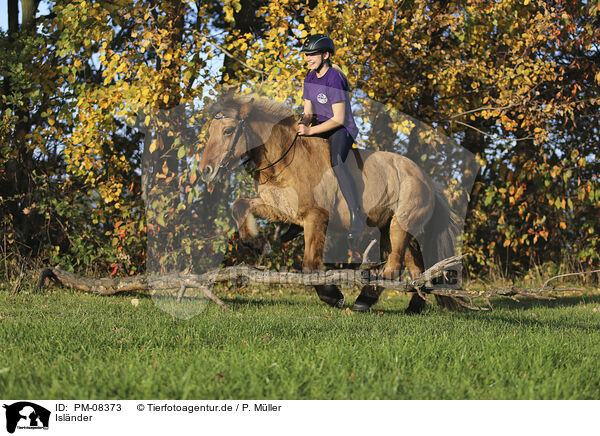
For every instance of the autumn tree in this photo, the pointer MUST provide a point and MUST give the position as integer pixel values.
(513, 81)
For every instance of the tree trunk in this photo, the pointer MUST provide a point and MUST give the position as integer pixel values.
(29, 9)
(13, 16)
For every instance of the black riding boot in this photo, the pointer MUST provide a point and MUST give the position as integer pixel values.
(348, 188)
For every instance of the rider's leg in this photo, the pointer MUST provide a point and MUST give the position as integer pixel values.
(340, 144)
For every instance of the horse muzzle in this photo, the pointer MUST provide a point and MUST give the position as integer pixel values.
(208, 174)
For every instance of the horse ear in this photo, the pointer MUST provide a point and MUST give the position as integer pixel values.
(228, 93)
(245, 109)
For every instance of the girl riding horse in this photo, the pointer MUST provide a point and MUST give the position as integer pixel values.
(326, 95)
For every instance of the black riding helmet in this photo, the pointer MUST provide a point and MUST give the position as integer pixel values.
(318, 43)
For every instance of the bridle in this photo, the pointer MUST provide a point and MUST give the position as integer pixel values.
(239, 130)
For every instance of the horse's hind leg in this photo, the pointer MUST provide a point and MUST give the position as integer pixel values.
(315, 226)
(394, 240)
(414, 263)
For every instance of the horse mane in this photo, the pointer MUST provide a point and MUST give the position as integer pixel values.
(275, 109)
(230, 105)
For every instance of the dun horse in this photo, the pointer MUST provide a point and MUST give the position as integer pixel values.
(297, 185)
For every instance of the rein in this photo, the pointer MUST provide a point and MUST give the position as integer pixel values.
(238, 132)
(281, 158)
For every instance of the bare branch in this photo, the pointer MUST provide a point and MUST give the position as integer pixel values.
(479, 109)
(224, 50)
(570, 274)
(492, 136)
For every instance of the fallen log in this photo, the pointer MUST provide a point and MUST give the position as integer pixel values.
(251, 275)
(137, 283)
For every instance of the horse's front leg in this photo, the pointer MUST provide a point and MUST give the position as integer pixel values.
(315, 227)
(246, 222)
(244, 218)
(245, 211)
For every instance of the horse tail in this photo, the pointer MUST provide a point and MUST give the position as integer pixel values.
(440, 243)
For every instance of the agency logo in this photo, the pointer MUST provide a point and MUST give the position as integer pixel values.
(26, 415)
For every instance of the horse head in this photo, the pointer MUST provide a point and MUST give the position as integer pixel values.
(239, 125)
(227, 139)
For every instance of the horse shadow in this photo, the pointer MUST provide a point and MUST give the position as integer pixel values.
(254, 302)
(527, 303)
(505, 310)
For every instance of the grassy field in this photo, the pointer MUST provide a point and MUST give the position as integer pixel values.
(57, 344)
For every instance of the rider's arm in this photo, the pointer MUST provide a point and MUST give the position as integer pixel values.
(308, 113)
(334, 122)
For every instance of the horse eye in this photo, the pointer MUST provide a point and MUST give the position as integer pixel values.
(229, 131)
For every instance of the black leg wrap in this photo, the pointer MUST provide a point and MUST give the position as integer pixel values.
(291, 233)
(368, 297)
(364, 302)
(417, 304)
(331, 295)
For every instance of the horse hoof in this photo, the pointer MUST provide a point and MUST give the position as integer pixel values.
(413, 310)
(339, 304)
(364, 302)
(416, 305)
(331, 295)
(360, 307)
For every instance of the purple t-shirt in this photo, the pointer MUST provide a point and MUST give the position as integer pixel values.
(327, 90)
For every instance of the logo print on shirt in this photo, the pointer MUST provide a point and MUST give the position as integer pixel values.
(322, 98)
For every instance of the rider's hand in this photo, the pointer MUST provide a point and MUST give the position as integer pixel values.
(303, 129)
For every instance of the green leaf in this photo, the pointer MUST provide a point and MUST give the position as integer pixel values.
(488, 199)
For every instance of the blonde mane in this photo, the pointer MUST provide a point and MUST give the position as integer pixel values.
(267, 106)
(230, 105)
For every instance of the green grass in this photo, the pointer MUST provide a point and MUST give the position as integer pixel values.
(57, 344)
